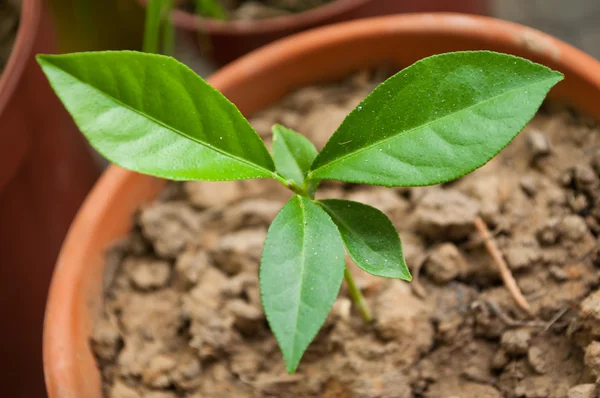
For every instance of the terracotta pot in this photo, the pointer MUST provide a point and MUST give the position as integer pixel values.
(225, 41)
(46, 170)
(254, 82)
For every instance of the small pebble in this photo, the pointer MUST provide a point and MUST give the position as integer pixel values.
(573, 227)
(516, 341)
(592, 358)
(445, 263)
(500, 359)
(189, 267)
(538, 143)
(584, 176)
(248, 318)
(537, 359)
(582, 391)
(558, 273)
(549, 233)
(149, 274)
(522, 255)
(156, 373)
(578, 203)
(528, 185)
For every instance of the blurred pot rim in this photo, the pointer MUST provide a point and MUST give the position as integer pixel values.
(31, 12)
(188, 21)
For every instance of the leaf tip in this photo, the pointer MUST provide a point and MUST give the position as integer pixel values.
(558, 75)
(291, 364)
(276, 130)
(42, 58)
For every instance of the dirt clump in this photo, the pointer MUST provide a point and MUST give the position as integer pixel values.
(445, 263)
(582, 391)
(182, 315)
(516, 341)
(445, 214)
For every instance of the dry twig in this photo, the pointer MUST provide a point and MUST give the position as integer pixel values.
(507, 276)
(555, 319)
(507, 320)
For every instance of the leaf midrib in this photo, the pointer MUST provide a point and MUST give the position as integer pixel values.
(303, 226)
(392, 137)
(162, 124)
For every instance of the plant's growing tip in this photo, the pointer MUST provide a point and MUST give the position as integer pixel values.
(434, 121)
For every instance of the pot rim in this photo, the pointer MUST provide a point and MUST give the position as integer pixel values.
(31, 13)
(190, 22)
(60, 355)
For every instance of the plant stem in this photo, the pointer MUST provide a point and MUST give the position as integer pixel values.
(281, 180)
(152, 26)
(357, 297)
(168, 44)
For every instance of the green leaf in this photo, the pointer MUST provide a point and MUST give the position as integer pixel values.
(293, 154)
(210, 9)
(370, 238)
(301, 271)
(151, 114)
(436, 120)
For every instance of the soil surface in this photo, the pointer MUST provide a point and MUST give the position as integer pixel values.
(260, 9)
(182, 314)
(9, 22)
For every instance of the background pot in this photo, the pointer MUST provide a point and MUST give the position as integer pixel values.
(93, 25)
(252, 83)
(45, 172)
(226, 41)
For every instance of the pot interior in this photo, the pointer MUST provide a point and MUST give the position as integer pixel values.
(253, 83)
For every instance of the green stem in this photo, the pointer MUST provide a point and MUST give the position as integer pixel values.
(281, 180)
(168, 45)
(152, 26)
(291, 185)
(357, 297)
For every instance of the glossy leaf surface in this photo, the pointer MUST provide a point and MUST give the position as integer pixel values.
(301, 271)
(151, 114)
(369, 237)
(436, 120)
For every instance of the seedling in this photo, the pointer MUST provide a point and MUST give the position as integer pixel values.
(433, 122)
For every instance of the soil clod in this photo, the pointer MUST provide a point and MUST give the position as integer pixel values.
(182, 315)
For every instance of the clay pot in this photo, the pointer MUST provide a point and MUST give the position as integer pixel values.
(253, 82)
(46, 170)
(225, 41)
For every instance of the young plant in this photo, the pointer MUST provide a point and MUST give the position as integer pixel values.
(433, 122)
